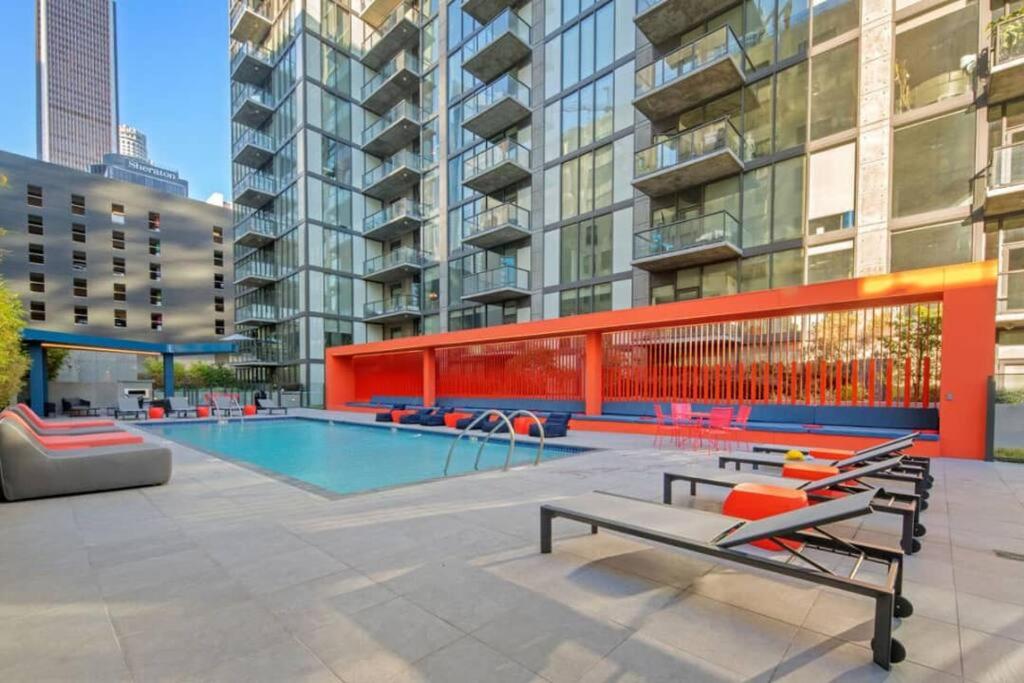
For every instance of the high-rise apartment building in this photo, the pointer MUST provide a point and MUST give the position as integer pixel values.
(76, 81)
(414, 168)
(131, 142)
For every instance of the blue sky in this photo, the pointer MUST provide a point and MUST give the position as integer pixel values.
(173, 70)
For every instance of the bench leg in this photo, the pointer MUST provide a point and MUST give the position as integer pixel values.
(593, 528)
(666, 490)
(545, 530)
(881, 643)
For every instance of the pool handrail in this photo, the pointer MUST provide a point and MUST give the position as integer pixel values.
(481, 416)
(540, 430)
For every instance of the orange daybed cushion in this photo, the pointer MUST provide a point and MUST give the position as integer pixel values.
(63, 424)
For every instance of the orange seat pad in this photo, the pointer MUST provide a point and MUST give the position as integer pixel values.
(451, 418)
(396, 414)
(757, 501)
(521, 424)
(63, 424)
(808, 471)
(63, 443)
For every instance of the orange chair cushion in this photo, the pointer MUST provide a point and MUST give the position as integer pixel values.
(756, 501)
(521, 424)
(808, 471)
(451, 418)
(63, 443)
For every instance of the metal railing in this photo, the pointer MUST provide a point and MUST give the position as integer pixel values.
(1011, 292)
(709, 48)
(394, 304)
(1007, 40)
(405, 11)
(254, 137)
(259, 181)
(1007, 168)
(403, 60)
(404, 158)
(714, 227)
(249, 50)
(507, 419)
(505, 277)
(396, 257)
(503, 214)
(401, 208)
(506, 22)
(506, 86)
(495, 155)
(689, 145)
(245, 92)
(404, 109)
(259, 222)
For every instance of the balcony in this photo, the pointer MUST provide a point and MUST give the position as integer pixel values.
(699, 71)
(1010, 301)
(251, 106)
(254, 273)
(251, 64)
(253, 148)
(493, 286)
(396, 265)
(256, 230)
(504, 224)
(497, 47)
(376, 12)
(660, 20)
(394, 176)
(392, 310)
(691, 242)
(250, 21)
(1006, 71)
(256, 314)
(399, 79)
(693, 157)
(255, 352)
(400, 218)
(485, 10)
(392, 131)
(498, 166)
(498, 107)
(256, 189)
(1005, 190)
(399, 31)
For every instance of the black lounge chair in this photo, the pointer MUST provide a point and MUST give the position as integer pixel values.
(436, 418)
(179, 406)
(772, 455)
(78, 407)
(907, 505)
(491, 424)
(270, 406)
(415, 417)
(466, 421)
(556, 424)
(386, 415)
(720, 537)
(128, 406)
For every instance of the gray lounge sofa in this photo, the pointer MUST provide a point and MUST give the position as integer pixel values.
(28, 470)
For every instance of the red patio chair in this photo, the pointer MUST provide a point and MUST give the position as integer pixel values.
(739, 426)
(683, 422)
(718, 427)
(661, 425)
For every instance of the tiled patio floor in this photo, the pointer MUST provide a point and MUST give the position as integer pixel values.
(226, 575)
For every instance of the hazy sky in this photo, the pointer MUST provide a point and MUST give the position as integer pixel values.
(173, 79)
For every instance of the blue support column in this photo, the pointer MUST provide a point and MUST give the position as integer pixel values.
(37, 378)
(168, 375)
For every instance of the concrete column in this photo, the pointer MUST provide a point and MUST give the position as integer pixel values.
(37, 378)
(168, 375)
(593, 390)
(429, 377)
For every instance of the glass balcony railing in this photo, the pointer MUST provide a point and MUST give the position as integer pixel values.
(688, 146)
(1007, 167)
(256, 312)
(644, 5)
(691, 57)
(404, 109)
(403, 60)
(501, 215)
(404, 12)
(720, 226)
(1011, 292)
(257, 181)
(396, 257)
(256, 351)
(507, 150)
(255, 268)
(414, 162)
(505, 277)
(403, 208)
(250, 93)
(401, 303)
(259, 222)
(505, 86)
(1007, 40)
(248, 50)
(507, 21)
(256, 138)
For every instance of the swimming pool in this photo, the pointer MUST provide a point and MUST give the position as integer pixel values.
(344, 458)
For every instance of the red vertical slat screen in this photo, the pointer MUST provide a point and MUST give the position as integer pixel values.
(549, 368)
(388, 374)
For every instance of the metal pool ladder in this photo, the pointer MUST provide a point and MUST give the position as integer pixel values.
(511, 438)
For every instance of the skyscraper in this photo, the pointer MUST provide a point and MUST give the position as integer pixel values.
(405, 168)
(131, 142)
(76, 75)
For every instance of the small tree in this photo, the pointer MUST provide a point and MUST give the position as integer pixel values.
(13, 359)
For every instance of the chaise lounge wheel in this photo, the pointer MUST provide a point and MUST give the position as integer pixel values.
(915, 546)
(902, 608)
(897, 653)
(924, 505)
(931, 480)
(920, 530)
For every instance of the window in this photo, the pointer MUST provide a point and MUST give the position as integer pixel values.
(830, 262)
(78, 205)
(117, 240)
(120, 317)
(791, 107)
(120, 293)
(37, 311)
(218, 304)
(831, 19)
(587, 182)
(831, 189)
(154, 271)
(587, 114)
(156, 297)
(81, 315)
(585, 299)
(586, 249)
(36, 254)
(929, 63)
(156, 321)
(35, 225)
(939, 245)
(218, 235)
(78, 233)
(117, 213)
(37, 283)
(154, 247)
(933, 163)
(34, 195)
(588, 47)
(218, 281)
(119, 268)
(218, 326)
(80, 287)
(218, 259)
(154, 221)
(78, 261)
(834, 90)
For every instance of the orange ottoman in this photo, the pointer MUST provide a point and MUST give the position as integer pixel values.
(249, 410)
(808, 470)
(521, 424)
(756, 501)
(202, 411)
(451, 418)
(156, 413)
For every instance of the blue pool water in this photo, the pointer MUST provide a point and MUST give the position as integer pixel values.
(346, 458)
